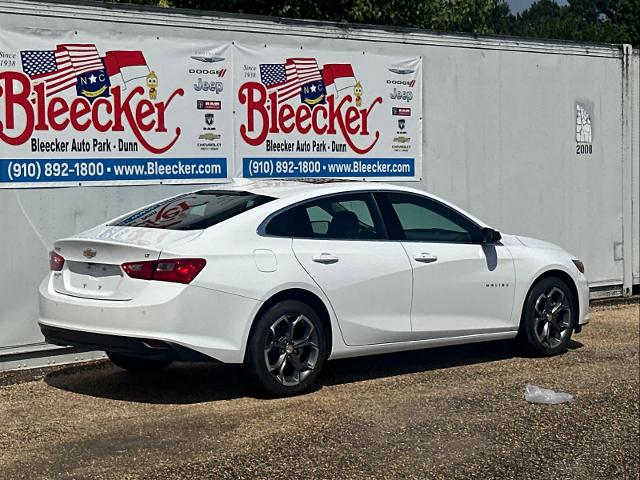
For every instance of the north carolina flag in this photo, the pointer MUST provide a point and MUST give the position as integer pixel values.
(340, 75)
(130, 64)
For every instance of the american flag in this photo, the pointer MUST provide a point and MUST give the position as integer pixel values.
(288, 79)
(59, 68)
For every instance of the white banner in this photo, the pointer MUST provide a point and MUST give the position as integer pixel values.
(106, 109)
(94, 109)
(302, 113)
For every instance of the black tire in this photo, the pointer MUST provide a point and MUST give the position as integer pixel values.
(137, 364)
(273, 341)
(543, 332)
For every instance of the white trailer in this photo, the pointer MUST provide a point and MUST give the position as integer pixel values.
(535, 137)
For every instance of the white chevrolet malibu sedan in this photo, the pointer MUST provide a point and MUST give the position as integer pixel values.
(282, 276)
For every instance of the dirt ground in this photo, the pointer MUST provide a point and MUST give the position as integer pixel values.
(443, 413)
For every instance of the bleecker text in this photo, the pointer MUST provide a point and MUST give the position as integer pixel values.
(265, 115)
(24, 116)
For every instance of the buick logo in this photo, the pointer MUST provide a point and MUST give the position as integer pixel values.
(89, 253)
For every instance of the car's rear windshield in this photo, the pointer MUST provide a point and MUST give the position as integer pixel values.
(193, 211)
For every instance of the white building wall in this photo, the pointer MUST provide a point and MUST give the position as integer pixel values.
(499, 140)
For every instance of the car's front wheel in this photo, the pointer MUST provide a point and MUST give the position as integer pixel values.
(548, 317)
(287, 348)
(137, 364)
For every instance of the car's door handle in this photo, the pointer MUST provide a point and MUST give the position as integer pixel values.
(325, 258)
(425, 257)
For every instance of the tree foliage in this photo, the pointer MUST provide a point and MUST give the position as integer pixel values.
(609, 21)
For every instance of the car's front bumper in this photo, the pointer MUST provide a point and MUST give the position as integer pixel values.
(583, 299)
(210, 322)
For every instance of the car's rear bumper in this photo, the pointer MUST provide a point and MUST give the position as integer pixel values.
(137, 347)
(210, 322)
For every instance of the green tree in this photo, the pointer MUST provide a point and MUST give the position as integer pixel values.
(480, 16)
(628, 18)
(609, 21)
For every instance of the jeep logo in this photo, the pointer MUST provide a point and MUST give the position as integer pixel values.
(204, 86)
(405, 95)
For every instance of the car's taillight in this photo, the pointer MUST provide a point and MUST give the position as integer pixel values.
(178, 270)
(141, 270)
(56, 262)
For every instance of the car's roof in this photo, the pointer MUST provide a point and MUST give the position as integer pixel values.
(293, 191)
(288, 188)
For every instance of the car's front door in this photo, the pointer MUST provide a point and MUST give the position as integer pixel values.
(460, 286)
(341, 242)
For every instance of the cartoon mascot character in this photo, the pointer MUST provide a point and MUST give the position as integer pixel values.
(357, 91)
(152, 83)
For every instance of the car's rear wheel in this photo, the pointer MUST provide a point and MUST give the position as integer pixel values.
(287, 349)
(548, 317)
(137, 364)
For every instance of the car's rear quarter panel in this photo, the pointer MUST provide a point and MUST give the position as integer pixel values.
(243, 263)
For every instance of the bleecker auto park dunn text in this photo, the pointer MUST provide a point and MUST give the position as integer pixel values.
(104, 114)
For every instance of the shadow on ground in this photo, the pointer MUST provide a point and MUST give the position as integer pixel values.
(188, 383)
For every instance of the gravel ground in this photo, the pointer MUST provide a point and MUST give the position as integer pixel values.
(444, 413)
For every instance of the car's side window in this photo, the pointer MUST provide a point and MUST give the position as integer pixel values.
(420, 219)
(319, 218)
(348, 217)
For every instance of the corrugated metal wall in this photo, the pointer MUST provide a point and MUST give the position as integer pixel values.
(499, 140)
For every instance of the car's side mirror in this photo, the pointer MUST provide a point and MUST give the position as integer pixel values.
(490, 236)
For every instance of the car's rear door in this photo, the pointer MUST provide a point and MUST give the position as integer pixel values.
(460, 287)
(341, 242)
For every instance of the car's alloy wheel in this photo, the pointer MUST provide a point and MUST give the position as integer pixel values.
(287, 348)
(291, 349)
(552, 314)
(548, 317)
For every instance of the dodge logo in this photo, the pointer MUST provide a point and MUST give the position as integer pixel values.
(89, 253)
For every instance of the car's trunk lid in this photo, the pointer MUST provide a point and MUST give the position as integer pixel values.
(93, 259)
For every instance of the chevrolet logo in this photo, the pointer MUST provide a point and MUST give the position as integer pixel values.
(89, 253)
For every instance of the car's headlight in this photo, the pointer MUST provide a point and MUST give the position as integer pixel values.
(579, 265)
